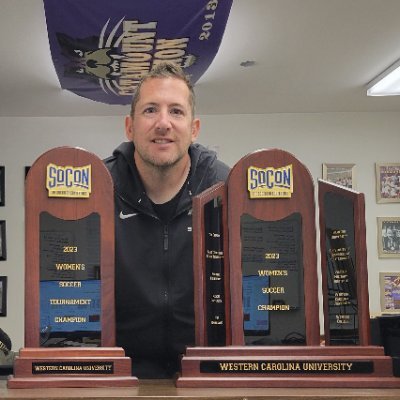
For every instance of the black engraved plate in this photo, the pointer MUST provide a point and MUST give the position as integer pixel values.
(73, 367)
(292, 366)
(341, 274)
(70, 284)
(214, 273)
(273, 290)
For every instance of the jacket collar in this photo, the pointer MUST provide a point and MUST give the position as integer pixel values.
(126, 173)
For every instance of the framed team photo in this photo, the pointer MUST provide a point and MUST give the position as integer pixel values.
(389, 283)
(2, 186)
(387, 182)
(389, 237)
(340, 174)
(3, 296)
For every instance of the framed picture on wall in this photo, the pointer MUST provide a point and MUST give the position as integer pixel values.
(2, 186)
(389, 237)
(3, 296)
(387, 182)
(3, 246)
(389, 283)
(340, 174)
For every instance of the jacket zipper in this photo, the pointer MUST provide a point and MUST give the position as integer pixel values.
(166, 290)
(165, 237)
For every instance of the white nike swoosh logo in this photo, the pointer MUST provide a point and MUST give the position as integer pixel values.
(125, 216)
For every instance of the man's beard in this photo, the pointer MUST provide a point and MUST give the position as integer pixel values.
(163, 165)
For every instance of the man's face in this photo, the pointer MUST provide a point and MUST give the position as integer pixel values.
(162, 127)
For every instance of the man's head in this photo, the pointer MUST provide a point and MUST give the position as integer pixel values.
(161, 124)
(165, 70)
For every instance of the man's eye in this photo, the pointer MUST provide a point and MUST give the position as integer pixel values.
(149, 110)
(177, 111)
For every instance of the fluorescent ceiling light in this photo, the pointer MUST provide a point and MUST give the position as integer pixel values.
(387, 83)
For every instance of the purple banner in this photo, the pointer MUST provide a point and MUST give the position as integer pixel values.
(102, 48)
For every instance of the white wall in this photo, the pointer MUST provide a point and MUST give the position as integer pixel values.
(360, 138)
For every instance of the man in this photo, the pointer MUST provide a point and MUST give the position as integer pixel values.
(155, 176)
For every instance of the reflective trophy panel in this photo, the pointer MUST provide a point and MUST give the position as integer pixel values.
(215, 273)
(273, 289)
(70, 281)
(341, 273)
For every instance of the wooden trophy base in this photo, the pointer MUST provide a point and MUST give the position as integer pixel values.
(72, 367)
(287, 366)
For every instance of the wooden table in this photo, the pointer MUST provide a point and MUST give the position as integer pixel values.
(165, 389)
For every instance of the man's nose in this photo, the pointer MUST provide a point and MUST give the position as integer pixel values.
(163, 121)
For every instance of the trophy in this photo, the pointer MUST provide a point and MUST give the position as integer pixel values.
(256, 283)
(343, 265)
(69, 276)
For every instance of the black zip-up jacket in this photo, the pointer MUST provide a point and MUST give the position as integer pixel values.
(154, 264)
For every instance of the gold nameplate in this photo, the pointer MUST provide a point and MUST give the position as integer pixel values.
(270, 183)
(69, 181)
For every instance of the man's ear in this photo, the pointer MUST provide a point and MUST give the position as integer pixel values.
(195, 129)
(129, 128)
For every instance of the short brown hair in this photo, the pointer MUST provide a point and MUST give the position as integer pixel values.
(165, 69)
